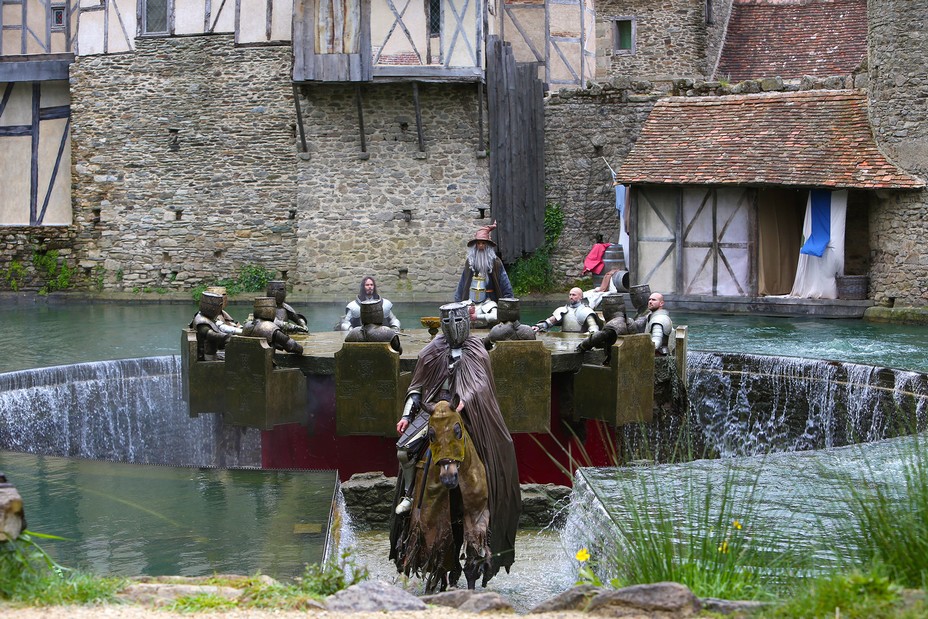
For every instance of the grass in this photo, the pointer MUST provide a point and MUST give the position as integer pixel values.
(30, 577)
(887, 526)
(702, 535)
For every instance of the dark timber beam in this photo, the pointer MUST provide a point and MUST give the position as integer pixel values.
(299, 118)
(358, 101)
(415, 99)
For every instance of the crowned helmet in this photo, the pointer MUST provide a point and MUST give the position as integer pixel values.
(455, 323)
(640, 296)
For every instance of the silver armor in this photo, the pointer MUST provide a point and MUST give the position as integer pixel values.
(478, 289)
(660, 328)
(353, 315)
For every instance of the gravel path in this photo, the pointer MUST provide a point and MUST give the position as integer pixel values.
(143, 612)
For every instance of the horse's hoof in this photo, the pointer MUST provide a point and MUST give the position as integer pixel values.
(404, 506)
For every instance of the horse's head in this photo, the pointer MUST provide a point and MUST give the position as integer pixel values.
(447, 439)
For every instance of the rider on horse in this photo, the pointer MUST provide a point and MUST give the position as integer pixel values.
(456, 365)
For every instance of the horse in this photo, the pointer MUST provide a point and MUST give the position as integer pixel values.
(450, 514)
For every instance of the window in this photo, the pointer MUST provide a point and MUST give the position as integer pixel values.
(434, 18)
(709, 17)
(154, 16)
(623, 35)
(59, 18)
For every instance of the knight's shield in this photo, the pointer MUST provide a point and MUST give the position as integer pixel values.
(622, 393)
(522, 373)
(369, 392)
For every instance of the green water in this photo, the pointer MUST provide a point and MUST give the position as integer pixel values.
(130, 520)
(41, 335)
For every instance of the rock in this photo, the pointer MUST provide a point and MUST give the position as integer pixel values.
(12, 515)
(731, 607)
(453, 598)
(485, 603)
(575, 598)
(662, 599)
(161, 594)
(373, 596)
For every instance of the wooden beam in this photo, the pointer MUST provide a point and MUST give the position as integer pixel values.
(299, 118)
(415, 100)
(357, 98)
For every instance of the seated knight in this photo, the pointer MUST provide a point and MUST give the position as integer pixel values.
(263, 325)
(372, 328)
(368, 292)
(211, 340)
(617, 323)
(224, 321)
(508, 327)
(285, 317)
(457, 365)
(574, 317)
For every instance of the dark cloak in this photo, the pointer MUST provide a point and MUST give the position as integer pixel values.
(473, 383)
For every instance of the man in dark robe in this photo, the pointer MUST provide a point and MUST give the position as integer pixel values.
(484, 275)
(457, 365)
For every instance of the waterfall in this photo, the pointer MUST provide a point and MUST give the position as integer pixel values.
(751, 404)
(127, 411)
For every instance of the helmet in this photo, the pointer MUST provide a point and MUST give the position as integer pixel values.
(210, 304)
(372, 312)
(507, 310)
(640, 296)
(278, 290)
(613, 306)
(455, 323)
(265, 308)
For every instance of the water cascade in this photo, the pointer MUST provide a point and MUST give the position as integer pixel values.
(128, 411)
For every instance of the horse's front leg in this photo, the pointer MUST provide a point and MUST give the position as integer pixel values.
(477, 554)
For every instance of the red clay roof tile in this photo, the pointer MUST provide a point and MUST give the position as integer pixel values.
(814, 138)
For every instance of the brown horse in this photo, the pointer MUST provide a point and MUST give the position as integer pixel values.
(450, 515)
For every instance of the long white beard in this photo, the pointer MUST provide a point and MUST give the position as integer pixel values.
(481, 261)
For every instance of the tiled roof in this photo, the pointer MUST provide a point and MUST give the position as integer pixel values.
(813, 138)
(793, 38)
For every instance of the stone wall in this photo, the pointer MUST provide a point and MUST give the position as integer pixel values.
(582, 127)
(715, 33)
(350, 215)
(670, 39)
(183, 162)
(899, 114)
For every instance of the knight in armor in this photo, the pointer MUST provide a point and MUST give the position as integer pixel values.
(368, 292)
(264, 325)
(456, 365)
(211, 340)
(372, 328)
(224, 321)
(509, 327)
(484, 276)
(640, 296)
(660, 327)
(617, 323)
(285, 317)
(575, 317)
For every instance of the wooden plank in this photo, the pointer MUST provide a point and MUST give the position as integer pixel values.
(364, 51)
(34, 164)
(302, 69)
(415, 100)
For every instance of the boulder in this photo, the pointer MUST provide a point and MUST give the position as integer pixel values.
(373, 596)
(662, 600)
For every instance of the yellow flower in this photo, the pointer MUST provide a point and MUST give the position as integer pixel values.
(723, 547)
(736, 524)
(583, 555)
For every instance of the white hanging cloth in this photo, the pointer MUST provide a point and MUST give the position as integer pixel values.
(823, 232)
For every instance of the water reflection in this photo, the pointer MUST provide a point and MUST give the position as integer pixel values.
(128, 520)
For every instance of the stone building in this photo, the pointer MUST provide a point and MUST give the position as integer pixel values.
(201, 138)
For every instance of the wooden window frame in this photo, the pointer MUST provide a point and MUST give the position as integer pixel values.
(614, 25)
(54, 8)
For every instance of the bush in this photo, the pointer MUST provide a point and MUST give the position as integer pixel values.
(534, 273)
(251, 278)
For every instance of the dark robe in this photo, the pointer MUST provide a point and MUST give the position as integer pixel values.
(498, 285)
(473, 383)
